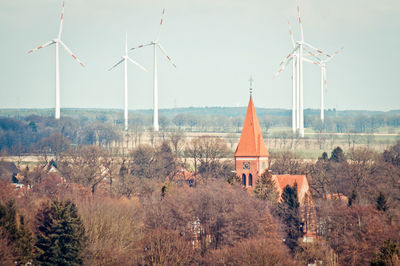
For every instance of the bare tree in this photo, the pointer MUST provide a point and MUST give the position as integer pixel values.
(176, 138)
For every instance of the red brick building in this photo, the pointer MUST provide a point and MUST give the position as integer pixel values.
(251, 155)
(252, 158)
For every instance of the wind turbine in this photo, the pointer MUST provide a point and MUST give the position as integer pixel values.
(297, 56)
(58, 41)
(125, 59)
(322, 64)
(156, 44)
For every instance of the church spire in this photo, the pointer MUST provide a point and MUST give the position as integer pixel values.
(251, 141)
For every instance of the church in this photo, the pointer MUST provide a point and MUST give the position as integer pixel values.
(252, 159)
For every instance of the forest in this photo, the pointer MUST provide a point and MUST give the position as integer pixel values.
(177, 201)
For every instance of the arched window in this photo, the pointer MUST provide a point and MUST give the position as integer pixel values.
(244, 180)
(250, 180)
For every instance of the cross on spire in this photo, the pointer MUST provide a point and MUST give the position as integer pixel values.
(251, 85)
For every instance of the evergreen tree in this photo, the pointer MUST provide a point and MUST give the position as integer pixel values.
(61, 235)
(18, 234)
(389, 254)
(337, 155)
(265, 188)
(352, 198)
(381, 204)
(289, 212)
(324, 157)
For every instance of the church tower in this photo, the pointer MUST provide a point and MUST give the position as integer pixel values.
(251, 156)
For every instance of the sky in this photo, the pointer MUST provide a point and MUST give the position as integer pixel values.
(216, 45)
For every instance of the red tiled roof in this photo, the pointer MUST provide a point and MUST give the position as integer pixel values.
(181, 174)
(251, 141)
(301, 180)
(285, 180)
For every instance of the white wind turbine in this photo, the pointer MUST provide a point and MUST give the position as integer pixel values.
(58, 41)
(297, 57)
(125, 59)
(156, 44)
(322, 64)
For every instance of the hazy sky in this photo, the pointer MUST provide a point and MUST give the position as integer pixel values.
(216, 44)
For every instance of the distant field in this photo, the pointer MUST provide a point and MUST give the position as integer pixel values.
(311, 147)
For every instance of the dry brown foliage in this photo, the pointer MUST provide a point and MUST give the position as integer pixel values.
(113, 226)
(355, 232)
(166, 247)
(262, 252)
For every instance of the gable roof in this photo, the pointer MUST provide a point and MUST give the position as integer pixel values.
(251, 141)
(302, 184)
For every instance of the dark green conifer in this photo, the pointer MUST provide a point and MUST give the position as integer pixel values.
(61, 234)
(265, 188)
(337, 155)
(289, 212)
(381, 203)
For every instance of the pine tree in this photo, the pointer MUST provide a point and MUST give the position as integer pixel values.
(381, 203)
(289, 212)
(265, 188)
(337, 155)
(61, 234)
(352, 198)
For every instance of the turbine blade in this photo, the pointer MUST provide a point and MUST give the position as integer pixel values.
(41, 46)
(71, 53)
(311, 53)
(334, 54)
(310, 61)
(139, 65)
(61, 21)
(291, 34)
(320, 53)
(116, 64)
(300, 23)
(161, 23)
(283, 64)
(141, 46)
(165, 53)
(286, 61)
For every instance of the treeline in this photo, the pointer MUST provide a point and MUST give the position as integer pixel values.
(35, 133)
(230, 119)
(96, 208)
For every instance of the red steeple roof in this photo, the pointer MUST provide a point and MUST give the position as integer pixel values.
(251, 142)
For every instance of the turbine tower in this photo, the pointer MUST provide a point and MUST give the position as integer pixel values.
(297, 57)
(57, 41)
(156, 44)
(322, 64)
(125, 59)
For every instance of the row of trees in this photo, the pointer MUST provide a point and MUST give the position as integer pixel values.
(36, 133)
(334, 124)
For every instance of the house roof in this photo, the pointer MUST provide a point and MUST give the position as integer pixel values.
(301, 180)
(181, 174)
(251, 141)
